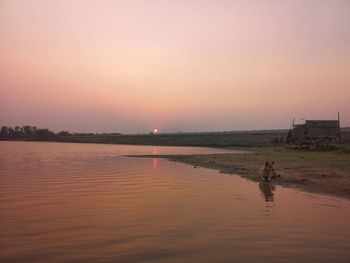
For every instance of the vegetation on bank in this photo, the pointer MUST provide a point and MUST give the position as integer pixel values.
(200, 139)
(209, 139)
(34, 133)
(28, 133)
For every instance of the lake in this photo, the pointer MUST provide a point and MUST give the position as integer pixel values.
(64, 202)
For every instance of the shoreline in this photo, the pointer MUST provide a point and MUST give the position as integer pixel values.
(321, 172)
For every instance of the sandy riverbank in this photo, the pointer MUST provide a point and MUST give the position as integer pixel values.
(320, 172)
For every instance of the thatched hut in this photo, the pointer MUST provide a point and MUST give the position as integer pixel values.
(315, 133)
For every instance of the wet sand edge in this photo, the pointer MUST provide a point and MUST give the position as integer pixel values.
(323, 173)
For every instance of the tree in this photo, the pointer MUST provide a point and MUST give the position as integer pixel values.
(4, 132)
(44, 134)
(27, 131)
(11, 132)
(63, 133)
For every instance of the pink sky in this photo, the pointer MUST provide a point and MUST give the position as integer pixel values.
(131, 66)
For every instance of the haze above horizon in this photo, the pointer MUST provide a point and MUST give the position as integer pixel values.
(136, 66)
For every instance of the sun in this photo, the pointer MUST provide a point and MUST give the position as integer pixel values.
(155, 130)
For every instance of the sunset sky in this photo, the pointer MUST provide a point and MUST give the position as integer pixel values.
(132, 66)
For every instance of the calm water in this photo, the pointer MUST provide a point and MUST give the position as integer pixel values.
(87, 203)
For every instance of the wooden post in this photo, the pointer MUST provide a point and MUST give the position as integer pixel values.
(339, 127)
(292, 131)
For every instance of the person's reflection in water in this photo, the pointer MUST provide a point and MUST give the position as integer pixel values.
(267, 189)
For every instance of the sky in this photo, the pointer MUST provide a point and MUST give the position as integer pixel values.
(184, 65)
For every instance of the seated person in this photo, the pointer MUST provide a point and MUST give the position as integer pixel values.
(268, 172)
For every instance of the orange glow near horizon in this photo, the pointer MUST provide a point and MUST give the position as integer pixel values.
(124, 66)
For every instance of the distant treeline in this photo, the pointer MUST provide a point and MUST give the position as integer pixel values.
(33, 133)
(208, 139)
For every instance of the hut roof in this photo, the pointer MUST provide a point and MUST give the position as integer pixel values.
(323, 123)
(319, 131)
(322, 128)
